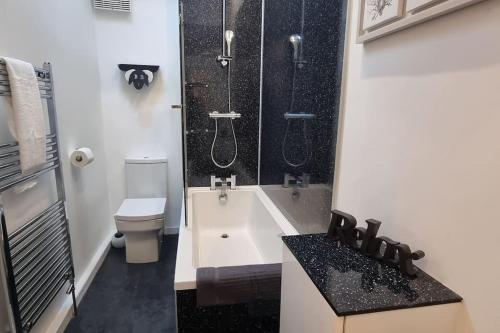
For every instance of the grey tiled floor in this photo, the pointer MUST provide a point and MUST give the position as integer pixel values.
(130, 298)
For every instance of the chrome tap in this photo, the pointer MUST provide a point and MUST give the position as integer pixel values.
(222, 183)
(296, 181)
(223, 194)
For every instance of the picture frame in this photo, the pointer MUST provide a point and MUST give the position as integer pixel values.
(380, 12)
(415, 5)
(400, 14)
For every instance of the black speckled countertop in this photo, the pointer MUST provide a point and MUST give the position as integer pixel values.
(353, 283)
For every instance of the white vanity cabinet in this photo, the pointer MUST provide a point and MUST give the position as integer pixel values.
(305, 310)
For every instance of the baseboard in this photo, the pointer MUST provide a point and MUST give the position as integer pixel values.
(171, 230)
(61, 320)
(83, 283)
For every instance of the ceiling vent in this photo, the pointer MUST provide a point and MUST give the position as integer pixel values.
(118, 5)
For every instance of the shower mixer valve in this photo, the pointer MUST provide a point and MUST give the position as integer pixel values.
(296, 181)
(216, 182)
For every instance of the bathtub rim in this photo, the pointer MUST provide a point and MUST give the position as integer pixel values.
(185, 272)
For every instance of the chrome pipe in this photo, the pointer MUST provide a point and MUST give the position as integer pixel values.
(34, 219)
(37, 69)
(32, 291)
(51, 217)
(10, 165)
(41, 280)
(27, 242)
(32, 318)
(9, 154)
(14, 173)
(29, 177)
(50, 138)
(53, 261)
(9, 175)
(8, 93)
(50, 151)
(42, 84)
(37, 248)
(57, 251)
(56, 284)
(7, 278)
(30, 299)
(30, 260)
(232, 115)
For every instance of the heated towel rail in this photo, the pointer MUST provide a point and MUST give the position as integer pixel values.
(37, 255)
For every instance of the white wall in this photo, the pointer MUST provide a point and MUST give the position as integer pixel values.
(141, 123)
(50, 30)
(420, 147)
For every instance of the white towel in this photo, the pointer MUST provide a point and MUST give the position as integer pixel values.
(26, 119)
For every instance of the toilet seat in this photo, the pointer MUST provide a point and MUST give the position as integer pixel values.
(141, 221)
(141, 209)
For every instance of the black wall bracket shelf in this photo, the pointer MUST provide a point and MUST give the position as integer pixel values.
(139, 75)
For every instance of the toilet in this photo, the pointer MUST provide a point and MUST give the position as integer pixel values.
(141, 216)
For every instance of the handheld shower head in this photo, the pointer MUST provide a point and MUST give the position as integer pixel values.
(296, 41)
(229, 35)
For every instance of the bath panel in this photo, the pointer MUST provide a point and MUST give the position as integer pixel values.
(259, 316)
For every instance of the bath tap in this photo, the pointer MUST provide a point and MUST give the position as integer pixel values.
(296, 181)
(223, 194)
(222, 183)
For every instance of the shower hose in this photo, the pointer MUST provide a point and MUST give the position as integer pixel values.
(307, 142)
(220, 165)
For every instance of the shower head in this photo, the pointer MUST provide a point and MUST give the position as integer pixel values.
(296, 41)
(229, 35)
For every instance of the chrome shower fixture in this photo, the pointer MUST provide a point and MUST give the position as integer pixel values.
(296, 41)
(225, 58)
(229, 35)
(231, 115)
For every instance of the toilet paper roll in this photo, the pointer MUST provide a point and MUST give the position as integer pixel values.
(81, 157)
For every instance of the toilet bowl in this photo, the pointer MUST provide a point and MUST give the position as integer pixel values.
(141, 221)
(141, 216)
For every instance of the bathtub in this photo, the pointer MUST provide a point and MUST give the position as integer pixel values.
(252, 223)
(307, 208)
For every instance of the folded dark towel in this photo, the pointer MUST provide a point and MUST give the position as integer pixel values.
(237, 284)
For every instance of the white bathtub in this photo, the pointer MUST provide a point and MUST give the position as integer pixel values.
(307, 208)
(250, 219)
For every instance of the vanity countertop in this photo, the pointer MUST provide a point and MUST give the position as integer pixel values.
(353, 283)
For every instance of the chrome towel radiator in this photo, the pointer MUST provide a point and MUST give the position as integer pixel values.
(37, 255)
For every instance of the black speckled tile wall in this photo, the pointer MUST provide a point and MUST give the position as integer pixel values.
(321, 24)
(202, 44)
(353, 283)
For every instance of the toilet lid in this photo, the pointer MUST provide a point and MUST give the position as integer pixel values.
(141, 209)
